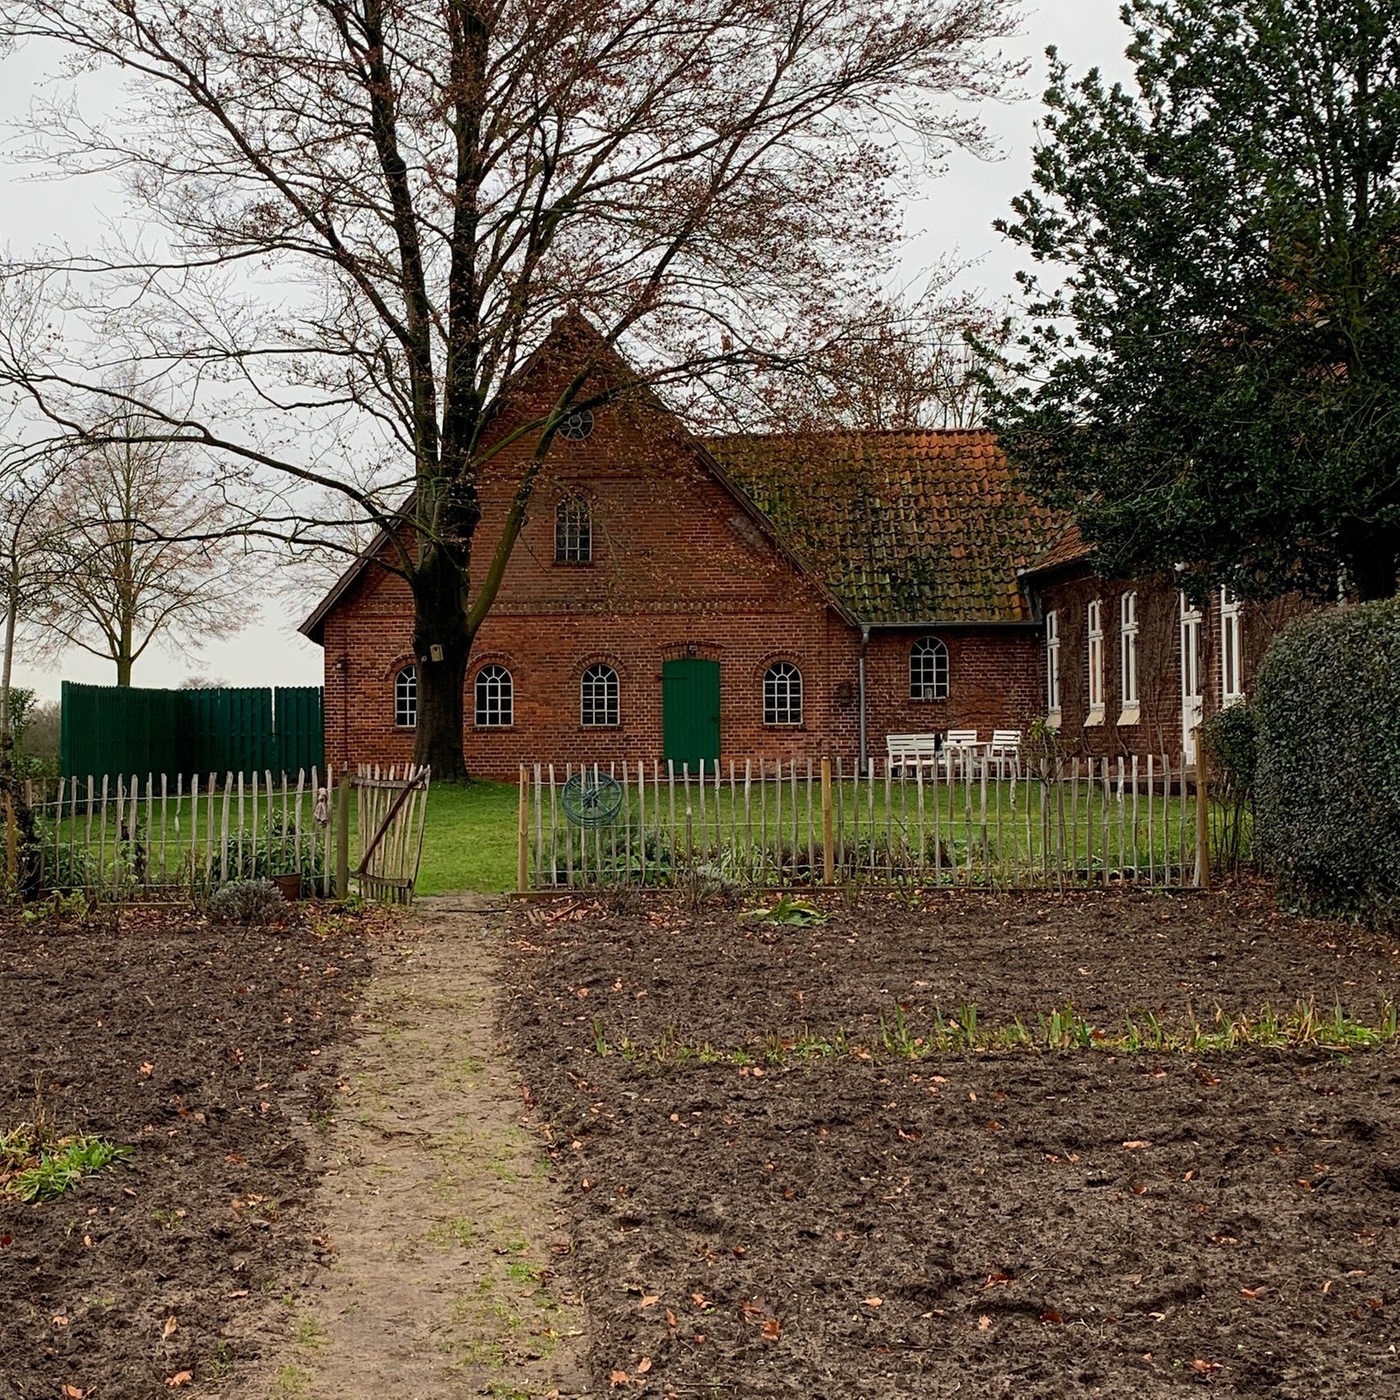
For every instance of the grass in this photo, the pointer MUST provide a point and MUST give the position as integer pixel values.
(1060, 1029)
(37, 1167)
(469, 843)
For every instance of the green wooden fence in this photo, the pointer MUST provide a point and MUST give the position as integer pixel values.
(233, 729)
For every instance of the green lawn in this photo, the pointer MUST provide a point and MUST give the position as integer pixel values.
(470, 840)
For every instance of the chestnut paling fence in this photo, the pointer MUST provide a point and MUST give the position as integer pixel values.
(125, 837)
(1136, 820)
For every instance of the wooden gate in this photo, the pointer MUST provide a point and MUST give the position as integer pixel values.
(391, 811)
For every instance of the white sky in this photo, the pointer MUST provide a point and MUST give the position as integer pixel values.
(953, 218)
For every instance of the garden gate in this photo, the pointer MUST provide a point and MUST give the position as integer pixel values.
(390, 813)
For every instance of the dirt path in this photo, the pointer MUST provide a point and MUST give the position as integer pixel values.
(442, 1223)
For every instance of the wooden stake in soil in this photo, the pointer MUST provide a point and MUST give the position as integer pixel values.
(1202, 816)
(522, 858)
(828, 855)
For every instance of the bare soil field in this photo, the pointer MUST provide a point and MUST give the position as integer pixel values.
(780, 1189)
(790, 1160)
(207, 1050)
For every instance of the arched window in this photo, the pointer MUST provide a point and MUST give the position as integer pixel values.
(406, 698)
(782, 694)
(928, 670)
(573, 532)
(495, 697)
(598, 700)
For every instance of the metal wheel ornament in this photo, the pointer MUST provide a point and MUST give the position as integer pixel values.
(591, 800)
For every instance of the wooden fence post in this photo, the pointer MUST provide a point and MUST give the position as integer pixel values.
(342, 836)
(828, 854)
(1202, 816)
(522, 864)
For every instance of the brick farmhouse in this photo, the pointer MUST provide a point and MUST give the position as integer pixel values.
(760, 597)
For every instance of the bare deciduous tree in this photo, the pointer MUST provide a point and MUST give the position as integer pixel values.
(428, 187)
(146, 550)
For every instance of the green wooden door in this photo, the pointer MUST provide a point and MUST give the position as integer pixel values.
(690, 711)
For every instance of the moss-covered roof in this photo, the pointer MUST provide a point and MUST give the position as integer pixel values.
(903, 527)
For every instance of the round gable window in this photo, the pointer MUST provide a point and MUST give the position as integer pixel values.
(577, 425)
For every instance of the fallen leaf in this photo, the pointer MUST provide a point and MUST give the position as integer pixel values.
(984, 1323)
(1050, 1315)
(179, 1378)
(1253, 1293)
(6, 1241)
(873, 1302)
(650, 1301)
(59, 1320)
(619, 1378)
(146, 1070)
(670, 1318)
(699, 1300)
(751, 1309)
(644, 1365)
(1133, 1144)
(73, 1393)
(170, 1326)
(996, 1280)
(1205, 1368)
(771, 1329)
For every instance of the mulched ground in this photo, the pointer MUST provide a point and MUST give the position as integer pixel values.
(207, 1050)
(1022, 1224)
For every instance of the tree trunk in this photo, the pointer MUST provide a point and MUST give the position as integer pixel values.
(442, 644)
(123, 656)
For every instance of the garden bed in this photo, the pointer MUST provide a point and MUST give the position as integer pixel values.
(207, 1050)
(801, 1165)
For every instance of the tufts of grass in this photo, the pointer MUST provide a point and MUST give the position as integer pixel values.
(36, 1166)
(1062, 1029)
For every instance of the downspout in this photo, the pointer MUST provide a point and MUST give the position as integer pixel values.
(862, 765)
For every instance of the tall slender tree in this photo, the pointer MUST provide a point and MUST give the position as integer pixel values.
(429, 187)
(1215, 381)
(147, 551)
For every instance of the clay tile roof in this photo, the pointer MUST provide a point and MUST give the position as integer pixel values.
(903, 527)
(1066, 548)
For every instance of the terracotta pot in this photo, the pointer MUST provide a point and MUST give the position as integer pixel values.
(290, 885)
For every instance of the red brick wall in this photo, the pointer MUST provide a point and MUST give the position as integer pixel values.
(679, 568)
(1159, 726)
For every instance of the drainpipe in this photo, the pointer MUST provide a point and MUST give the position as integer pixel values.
(860, 691)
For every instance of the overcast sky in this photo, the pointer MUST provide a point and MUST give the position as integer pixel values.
(953, 218)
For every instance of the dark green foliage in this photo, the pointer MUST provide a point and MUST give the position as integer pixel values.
(270, 849)
(1230, 738)
(1212, 376)
(1327, 785)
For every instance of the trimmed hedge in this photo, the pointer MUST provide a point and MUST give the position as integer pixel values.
(1327, 787)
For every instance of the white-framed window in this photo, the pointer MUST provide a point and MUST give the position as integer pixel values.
(495, 698)
(406, 698)
(782, 694)
(573, 532)
(928, 670)
(1231, 658)
(1095, 631)
(1127, 657)
(598, 697)
(1052, 666)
